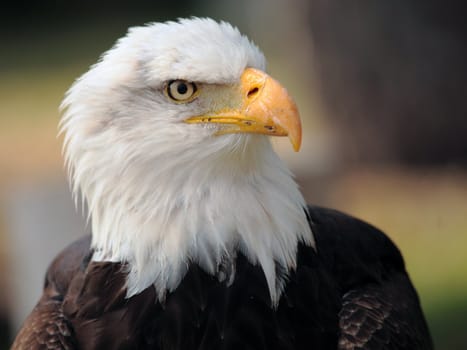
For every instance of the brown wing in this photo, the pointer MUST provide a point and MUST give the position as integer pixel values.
(47, 327)
(383, 316)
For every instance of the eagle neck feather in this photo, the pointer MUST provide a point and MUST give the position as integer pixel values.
(198, 207)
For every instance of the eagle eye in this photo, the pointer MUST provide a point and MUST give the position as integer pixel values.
(181, 90)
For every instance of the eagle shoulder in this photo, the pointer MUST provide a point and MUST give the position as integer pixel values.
(47, 327)
(355, 251)
(380, 308)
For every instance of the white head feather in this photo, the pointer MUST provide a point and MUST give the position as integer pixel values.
(162, 193)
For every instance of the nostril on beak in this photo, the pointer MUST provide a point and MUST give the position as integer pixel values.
(253, 92)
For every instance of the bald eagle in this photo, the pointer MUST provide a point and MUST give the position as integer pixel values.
(200, 236)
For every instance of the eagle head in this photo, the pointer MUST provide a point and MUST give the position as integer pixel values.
(166, 140)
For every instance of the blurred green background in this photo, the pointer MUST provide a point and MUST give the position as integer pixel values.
(381, 86)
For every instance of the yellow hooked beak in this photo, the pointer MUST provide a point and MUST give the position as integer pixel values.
(266, 108)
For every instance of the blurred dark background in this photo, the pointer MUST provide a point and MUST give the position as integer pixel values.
(393, 75)
(382, 89)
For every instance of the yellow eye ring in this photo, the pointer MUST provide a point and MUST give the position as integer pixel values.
(181, 90)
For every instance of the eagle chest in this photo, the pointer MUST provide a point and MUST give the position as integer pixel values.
(203, 313)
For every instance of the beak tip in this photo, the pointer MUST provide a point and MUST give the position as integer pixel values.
(294, 131)
(296, 144)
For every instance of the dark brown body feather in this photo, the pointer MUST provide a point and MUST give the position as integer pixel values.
(352, 293)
